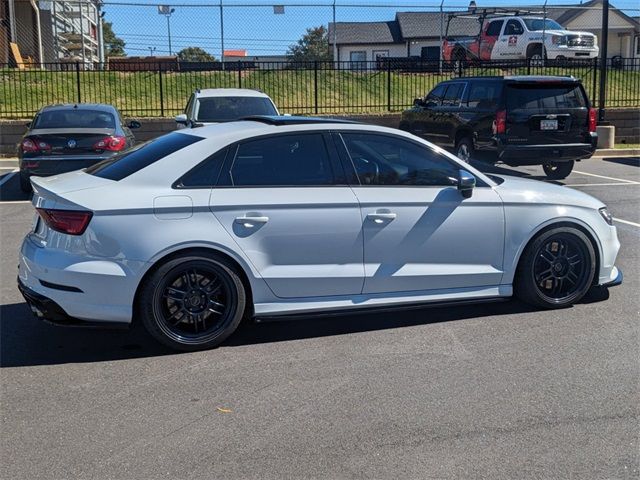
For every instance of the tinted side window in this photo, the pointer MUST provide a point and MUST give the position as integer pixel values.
(205, 174)
(389, 160)
(493, 30)
(123, 165)
(436, 94)
(484, 95)
(283, 160)
(453, 94)
(531, 97)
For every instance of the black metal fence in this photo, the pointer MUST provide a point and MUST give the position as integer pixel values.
(160, 89)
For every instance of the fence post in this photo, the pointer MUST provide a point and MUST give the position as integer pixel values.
(388, 85)
(78, 81)
(315, 86)
(239, 74)
(161, 92)
(595, 81)
(603, 60)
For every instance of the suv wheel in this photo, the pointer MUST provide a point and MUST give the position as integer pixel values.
(558, 170)
(192, 302)
(537, 56)
(464, 150)
(556, 269)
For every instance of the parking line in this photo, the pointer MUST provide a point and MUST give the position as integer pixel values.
(607, 178)
(7, 177)
(599, 184)
(8, 202)
(626, 221)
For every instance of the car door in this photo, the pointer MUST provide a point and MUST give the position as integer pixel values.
(489, 39)
(510, 45)
(419, 232)
(424, 118)
(284, 200)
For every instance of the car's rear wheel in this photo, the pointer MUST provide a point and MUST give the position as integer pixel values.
(192, 302)
(556, 269)
(558, 170)
(465, 150)
(25, 183)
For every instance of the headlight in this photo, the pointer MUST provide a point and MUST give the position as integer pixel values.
(606, 215)
(559, 40)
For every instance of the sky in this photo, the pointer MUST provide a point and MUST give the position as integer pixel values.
(252, 25)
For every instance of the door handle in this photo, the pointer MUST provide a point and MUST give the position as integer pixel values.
(250, 221)
(381, 216)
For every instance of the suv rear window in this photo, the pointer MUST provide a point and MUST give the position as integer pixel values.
(536, 96)
(141, 156)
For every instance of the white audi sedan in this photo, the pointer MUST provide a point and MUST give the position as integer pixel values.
(281, 216)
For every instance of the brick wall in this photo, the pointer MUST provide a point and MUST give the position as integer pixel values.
(627, 122)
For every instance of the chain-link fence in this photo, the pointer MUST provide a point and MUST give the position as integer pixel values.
(340, 56)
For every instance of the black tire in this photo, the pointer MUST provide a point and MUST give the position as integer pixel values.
(558, 170)
(25, 183)
(556, 269)
(192, 302)
(464, 150)
(536, 56)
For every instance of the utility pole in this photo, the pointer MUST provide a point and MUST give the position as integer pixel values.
(221, 35)
(335, 28)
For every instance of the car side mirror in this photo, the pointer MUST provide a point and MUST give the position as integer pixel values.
(28, 124)
(466, 183)
(418, 102)
(429, 104)
(134, 124)
(182, 119)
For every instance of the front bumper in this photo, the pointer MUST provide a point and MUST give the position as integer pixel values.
(616, 278)
(560, 52)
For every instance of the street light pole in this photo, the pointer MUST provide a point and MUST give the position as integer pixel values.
(151, 50)
(166, 10)
(169, 32)
(221, 36)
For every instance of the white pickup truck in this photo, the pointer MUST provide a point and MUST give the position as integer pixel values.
(519, 38)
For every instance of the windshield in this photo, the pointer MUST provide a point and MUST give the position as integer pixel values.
(538, 24)
(74, 119)
(224, 109)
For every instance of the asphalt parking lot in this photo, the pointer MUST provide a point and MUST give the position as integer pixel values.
(491, 391)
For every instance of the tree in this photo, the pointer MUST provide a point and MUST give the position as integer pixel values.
(314, 45)
(195, 54)
(113, 45)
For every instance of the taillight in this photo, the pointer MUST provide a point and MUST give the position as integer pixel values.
(33, 145)
(71, 222)
(112, 143)
(593, 119)
(500, 123)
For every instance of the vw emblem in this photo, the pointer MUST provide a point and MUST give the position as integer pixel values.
(72, 143)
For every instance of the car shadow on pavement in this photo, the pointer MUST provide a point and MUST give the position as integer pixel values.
(629, 161)
(489, 168)
(27, 341)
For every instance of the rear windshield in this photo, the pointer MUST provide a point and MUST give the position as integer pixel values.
(123, 165)
(541, 96)
(225, 109)
(73, 118)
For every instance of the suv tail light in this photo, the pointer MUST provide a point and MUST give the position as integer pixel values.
(71, 222)
(592, 119)
(34, 145)
(113, 143)
(500, 123)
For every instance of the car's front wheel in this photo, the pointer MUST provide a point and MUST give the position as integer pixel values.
(558, 170)
(192, 302)
(556, 269)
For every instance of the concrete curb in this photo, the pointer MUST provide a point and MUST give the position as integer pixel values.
(617, 152)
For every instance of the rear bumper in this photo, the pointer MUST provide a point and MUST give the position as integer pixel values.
(540, 154)
(47, 166)
(46, 309)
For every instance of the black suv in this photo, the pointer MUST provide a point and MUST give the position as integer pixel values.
(519, 120)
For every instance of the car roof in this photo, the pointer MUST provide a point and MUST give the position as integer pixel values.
(80, 106)
(230, 92)
(519, 78)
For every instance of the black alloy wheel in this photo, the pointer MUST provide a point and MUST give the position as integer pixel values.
(193, 303)
(557, 269)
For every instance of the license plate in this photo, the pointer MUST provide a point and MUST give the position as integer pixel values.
(548, 124)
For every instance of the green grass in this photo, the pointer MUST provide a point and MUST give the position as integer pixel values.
(635, 146)
(22, 92)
